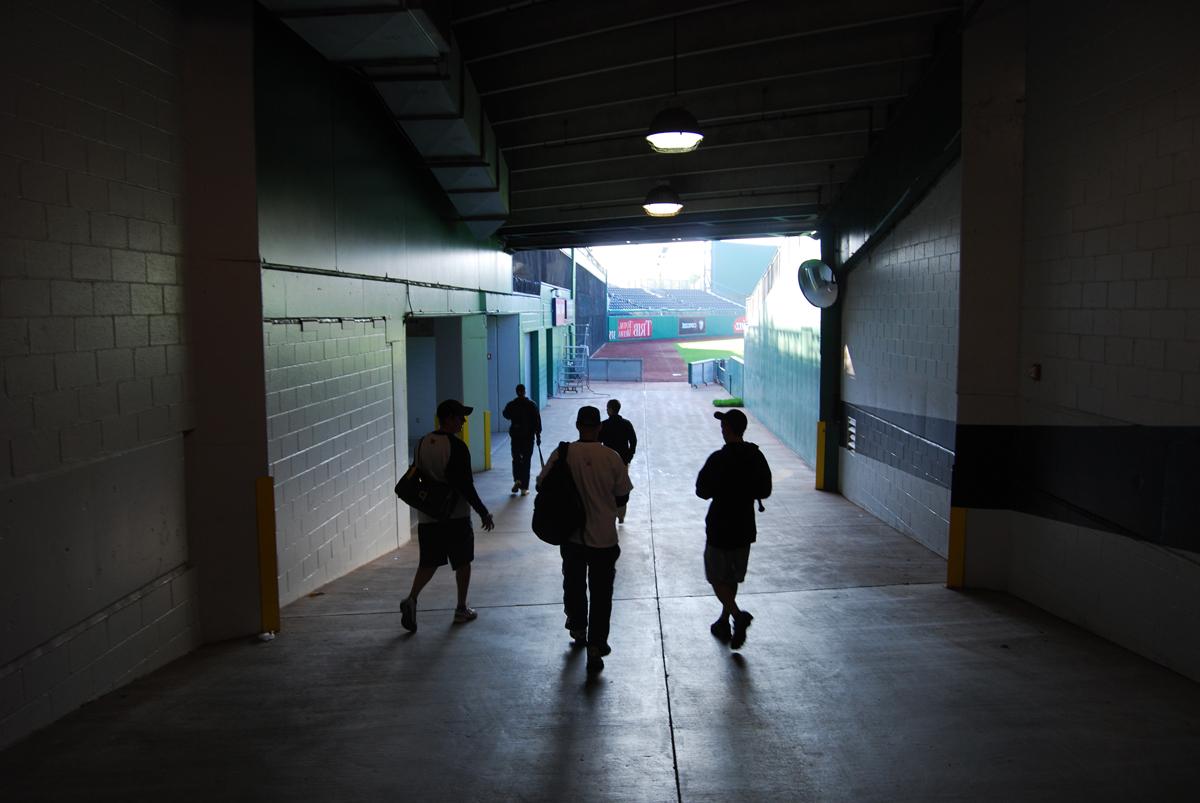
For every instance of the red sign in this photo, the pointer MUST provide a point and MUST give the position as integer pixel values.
(634, 327)
(739, 325)
(563, 312)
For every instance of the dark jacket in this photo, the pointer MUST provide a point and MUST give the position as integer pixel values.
(617, 434)
(525, 420)
(733, 477)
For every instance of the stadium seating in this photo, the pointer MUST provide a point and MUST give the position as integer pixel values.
(637, 300)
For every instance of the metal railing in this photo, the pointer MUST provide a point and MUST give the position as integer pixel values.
(521, 284)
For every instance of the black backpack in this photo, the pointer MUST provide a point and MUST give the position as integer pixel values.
(558, 510)
(426, 494)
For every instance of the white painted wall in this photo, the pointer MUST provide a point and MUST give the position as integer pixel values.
(1109, 303)
(331, 448)
(900, 332)
(94, 577)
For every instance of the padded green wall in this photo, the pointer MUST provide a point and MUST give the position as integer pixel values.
(666, 327)
(783, 363)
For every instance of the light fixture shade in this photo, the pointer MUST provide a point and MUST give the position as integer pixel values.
(662, 202)
(674, 130)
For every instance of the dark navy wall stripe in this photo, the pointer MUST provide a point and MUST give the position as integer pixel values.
(899, 440)
(1142, 482)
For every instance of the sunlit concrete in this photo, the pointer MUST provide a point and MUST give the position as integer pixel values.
(863, 678)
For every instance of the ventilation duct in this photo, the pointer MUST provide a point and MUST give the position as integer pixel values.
(411, 59)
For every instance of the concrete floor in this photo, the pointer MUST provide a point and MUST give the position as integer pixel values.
(862, 679)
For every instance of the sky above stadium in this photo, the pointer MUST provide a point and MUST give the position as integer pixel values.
(676, 264)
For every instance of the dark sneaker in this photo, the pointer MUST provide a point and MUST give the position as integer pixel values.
(465, 614)
(408, 615)
(579, 637)
(720, 629)
(594, 662)
(741, 621)
(516, 487)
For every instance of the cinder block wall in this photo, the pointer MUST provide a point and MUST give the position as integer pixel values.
(783, 351)
(94, 583)
(1110, 308)
(1111, 302)
(330, 409)
(900, 331)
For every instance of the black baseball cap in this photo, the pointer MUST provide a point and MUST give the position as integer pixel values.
(734, 419)
(588, 416)
(452, 407)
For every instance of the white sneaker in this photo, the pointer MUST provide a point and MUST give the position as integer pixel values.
(464, 614)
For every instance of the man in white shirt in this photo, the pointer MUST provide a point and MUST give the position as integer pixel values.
(589, 557)
(442, 457)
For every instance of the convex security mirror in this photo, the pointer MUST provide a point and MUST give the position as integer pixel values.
(818, 283)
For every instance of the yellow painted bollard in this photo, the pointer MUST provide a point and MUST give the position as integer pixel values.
(487, 440)
(820, 484)
(956, 560)
(466, 431)
(268, 580)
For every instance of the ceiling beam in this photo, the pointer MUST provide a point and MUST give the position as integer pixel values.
(819, 150)
(727, 35)
(876, 86)
(617, 151)
(780, 63)
(828, 179)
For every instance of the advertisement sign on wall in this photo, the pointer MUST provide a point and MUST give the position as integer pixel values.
(739, 325)
(634, 327)
(691, 326)
(564, 311)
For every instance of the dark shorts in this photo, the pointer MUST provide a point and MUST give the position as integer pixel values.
(451, 540)
(726, 566)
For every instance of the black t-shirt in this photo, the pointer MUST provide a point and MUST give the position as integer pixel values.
(733, 477)
(524, 419)
(617, 434)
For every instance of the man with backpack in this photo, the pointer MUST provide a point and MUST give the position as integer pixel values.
(443, 458)
(589, 554)
(733, 478)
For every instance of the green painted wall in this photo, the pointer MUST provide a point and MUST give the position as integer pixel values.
(666, 327)
(783, 362)
(737, 267)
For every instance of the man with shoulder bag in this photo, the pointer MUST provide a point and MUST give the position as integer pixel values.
(589, 553)
(442, 458)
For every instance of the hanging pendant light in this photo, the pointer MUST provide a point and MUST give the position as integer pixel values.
(662, 202)
(674, 130)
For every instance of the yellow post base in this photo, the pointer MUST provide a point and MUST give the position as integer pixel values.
(487, 440)
(820, 484)
(956, 559)
(268, 568)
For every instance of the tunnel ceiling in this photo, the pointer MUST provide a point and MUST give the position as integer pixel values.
(533, 115)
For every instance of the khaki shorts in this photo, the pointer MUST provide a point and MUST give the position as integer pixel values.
(726, 566)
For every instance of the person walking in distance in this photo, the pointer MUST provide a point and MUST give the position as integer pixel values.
(525, 425)
(589, 556)
(733, 477)
(441, 456)
(617, 434)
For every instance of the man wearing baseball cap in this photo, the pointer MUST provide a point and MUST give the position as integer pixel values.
(733, 477)
(443, 457)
